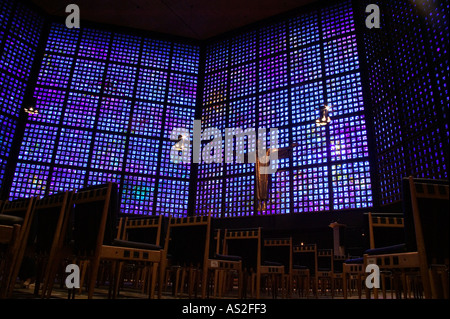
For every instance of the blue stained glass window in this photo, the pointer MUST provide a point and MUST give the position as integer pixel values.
(209, 198)
(351, 185)
(138, 195)
(81, 110)
(87, 76)
(50, 104)
(29, 180)
(311, 191)
(143, 156)
(38, 143)
(11, 94)
(66, 179)
(239, 196)
(114, 115)
(62, 39)
(152, 85)
(172, 198)
(73, 147)
(108, 153)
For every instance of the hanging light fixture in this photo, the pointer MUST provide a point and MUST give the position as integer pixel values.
(324, 117)
(32, 110)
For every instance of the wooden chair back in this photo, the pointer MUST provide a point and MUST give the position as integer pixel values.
(188, 239)
(16, 238)
(94, 218)
(392, 221)
(427, 204)
(144, 229)
(245, 243)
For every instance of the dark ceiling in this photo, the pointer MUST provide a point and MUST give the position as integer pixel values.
(196, 19)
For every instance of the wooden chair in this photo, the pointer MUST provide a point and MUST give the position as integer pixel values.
(305, 269)
(143, 229)
(277, 264)
(15, 223)
(354, 267)
(325, 270)
(426, 213)
(51, 217)
(186, 248)
(242, 256)
(353, 274)
(93, 231)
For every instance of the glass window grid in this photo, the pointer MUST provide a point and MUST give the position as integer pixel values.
(87, 75)
(155, 54)
(242, 113)
(17, 57)
(391, 168)
(273, 73)
(279, 201)
(94, 44)
(348, 138)
(178, 117)
(151, 85)
(214, 116)
(63, 179)
(12, 92)
(172, 198)
(239, 196)
(125, 48)
(55, 71)
(243, 80)
(312, 148)
(182, 89)
(306, 64)
(344, 94)
(341, 85)
(120, 80)
(138, 195)
(108, 151)
(5, 13)
(209, 198)
(2, 170)
(217, 56)
(81, 110)
(50, 105)
(27, 24)
(210, 170)
(29, 180)
(142, 156)
(306, 101)
(170, 169)
(304, 30)
(38, 143)
(337, 20)
(96, 177)
(274, 109)
(243, 48)
(147, 118)
(310, 189)
(216, 87)
(73, 147)
(351, 185)
(8, 125)
(341, 55)
(62, 40)
(272, 39)
(185, 58)
(114, 115)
